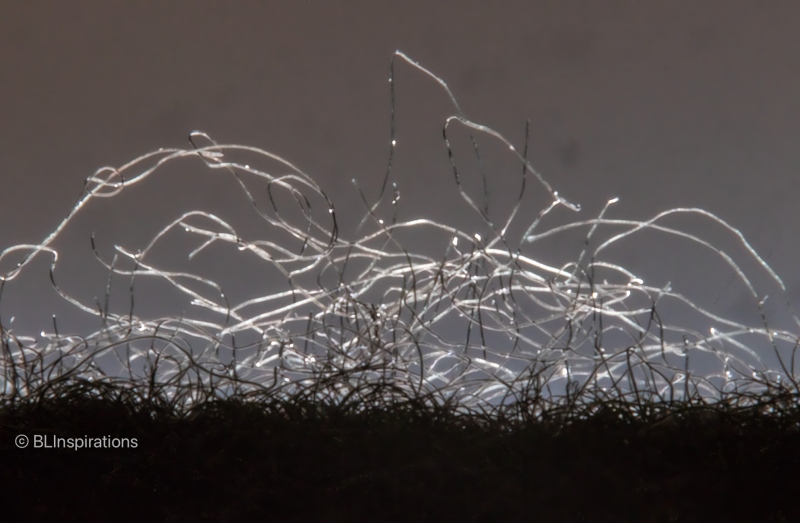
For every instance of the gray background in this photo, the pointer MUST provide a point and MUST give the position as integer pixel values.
(663, 104)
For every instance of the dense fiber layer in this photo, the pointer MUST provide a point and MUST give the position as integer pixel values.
(299, 460)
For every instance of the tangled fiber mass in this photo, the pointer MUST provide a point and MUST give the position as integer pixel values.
(370, 315)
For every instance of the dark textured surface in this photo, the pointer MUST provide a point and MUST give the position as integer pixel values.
(230, 461)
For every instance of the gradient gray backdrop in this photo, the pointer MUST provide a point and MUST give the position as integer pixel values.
(664, 104)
